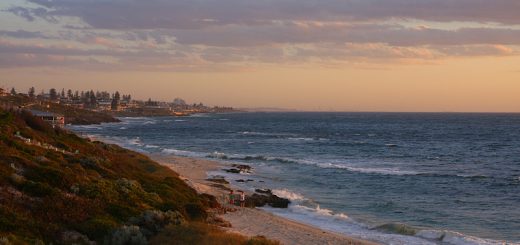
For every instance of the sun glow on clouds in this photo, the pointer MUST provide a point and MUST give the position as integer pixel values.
(244, 36)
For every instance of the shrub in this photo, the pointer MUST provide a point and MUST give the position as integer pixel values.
(127, 235)
(38, 189)
(153, 221)
(204, 234)
(98, 226)
(195, 211)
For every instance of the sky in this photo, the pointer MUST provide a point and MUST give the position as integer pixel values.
(313, 55)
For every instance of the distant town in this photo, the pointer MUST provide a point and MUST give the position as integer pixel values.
(72, 105)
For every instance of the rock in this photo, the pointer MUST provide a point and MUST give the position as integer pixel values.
(264, 191)
(218, 180)
(242, 167)
(222, 187)
(239, 168)
(232, 170)
(240, 180)
(274, 201)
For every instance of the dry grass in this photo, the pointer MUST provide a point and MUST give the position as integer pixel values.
(205, 234)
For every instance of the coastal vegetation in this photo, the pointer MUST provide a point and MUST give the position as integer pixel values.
(57, 187)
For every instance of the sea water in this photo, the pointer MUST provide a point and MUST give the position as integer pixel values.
(396, 178)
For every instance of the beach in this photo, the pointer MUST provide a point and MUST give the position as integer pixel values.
(251, 221)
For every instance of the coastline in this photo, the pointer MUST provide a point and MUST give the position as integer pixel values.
(251, 221)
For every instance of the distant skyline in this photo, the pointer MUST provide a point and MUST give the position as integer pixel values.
(319, 55)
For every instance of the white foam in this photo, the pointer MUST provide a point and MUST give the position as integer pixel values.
(456, 238)
(341, 223)
(284, 193)
(218, 155)
(89, 126)
(183, 153)
(300, 139)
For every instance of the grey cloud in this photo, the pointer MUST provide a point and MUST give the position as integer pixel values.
(232, 36)
(25, 13)
(22, 34)
(194, 14)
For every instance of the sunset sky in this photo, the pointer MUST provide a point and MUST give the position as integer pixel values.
(326, 55)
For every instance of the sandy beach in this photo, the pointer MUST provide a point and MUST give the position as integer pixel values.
(249, 221)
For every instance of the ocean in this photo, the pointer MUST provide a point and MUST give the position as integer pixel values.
(396, 178)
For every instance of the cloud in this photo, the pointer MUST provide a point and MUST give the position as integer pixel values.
(179, 34)
(298, 32)
(195, 14)
(23, 34)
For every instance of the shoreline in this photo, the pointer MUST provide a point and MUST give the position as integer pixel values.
(194, 172)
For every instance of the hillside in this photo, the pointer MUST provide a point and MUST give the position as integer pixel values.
(72, 115)
(60, 188)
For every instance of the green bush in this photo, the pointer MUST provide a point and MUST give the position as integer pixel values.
(98, 227)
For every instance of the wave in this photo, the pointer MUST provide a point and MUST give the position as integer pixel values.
(88, 126)
(300, 139)
(284, 193)
(307, 211)
(176, 152)
(253, 133)
(239, 157)
(456, 238)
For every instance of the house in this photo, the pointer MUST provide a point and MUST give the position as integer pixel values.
(52, 118)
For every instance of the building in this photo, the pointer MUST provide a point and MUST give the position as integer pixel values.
(52, 118)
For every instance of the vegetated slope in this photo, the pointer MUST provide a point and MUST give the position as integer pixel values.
(56, 186)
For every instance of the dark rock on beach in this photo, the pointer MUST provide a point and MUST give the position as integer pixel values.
(218, 180)
(239, 168)
(268, 198)
(232, 170)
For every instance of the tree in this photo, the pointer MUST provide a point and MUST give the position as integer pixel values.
(117, 96)
(69, 94)
(53, 94)
(31, 92)
(13, 91)
(62, 93)
(93, 99)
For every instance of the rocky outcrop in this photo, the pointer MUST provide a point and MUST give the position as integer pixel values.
(267, 198)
